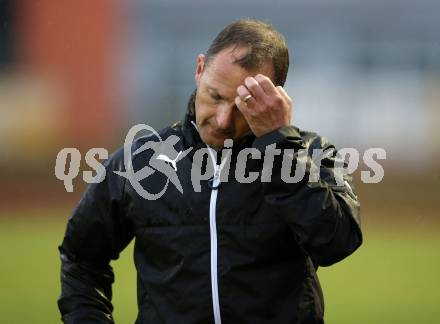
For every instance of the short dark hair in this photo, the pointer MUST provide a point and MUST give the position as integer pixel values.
(264, 44)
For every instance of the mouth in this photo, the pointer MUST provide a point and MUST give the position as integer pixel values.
(221, 133)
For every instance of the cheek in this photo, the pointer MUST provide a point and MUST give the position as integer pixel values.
(199, 106)
(241, 125)
(204, 111)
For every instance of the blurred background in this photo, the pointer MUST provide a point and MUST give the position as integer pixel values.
(363, 74)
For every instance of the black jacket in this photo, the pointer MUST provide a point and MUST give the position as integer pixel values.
(250, 258)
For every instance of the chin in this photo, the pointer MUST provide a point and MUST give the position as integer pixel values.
(213, 143)
(209, 139)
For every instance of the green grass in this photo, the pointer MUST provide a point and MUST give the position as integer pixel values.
(393, 278)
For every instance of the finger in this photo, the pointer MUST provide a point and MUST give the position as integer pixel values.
(254, 88)
(243, 92)
(242, 106)
(266, 84)
(284, 94)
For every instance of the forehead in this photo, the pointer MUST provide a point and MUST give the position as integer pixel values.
(225, 75)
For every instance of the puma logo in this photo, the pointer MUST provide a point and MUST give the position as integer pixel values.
(165, 158)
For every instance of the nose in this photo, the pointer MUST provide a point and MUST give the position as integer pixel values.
(224, 117)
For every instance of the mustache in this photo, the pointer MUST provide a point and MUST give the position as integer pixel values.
(223, 131)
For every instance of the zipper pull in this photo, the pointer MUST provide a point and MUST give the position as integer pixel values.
(216, 172)
(214, 182)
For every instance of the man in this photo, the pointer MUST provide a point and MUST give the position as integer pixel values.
(232, 251)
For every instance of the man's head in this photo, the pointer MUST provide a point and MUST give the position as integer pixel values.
(244, 48)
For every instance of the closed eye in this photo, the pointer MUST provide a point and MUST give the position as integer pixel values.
(216, 97)
(213, 93)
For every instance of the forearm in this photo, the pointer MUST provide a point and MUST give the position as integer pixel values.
(324, 222)
(323, 215)
(85, 292)
(97, 231)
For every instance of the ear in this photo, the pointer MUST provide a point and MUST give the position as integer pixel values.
(199, 68)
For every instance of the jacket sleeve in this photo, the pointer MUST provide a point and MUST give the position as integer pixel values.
(96, 233)
(323, 214)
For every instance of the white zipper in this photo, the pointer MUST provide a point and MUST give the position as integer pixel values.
(213, 234)
(213, 229)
